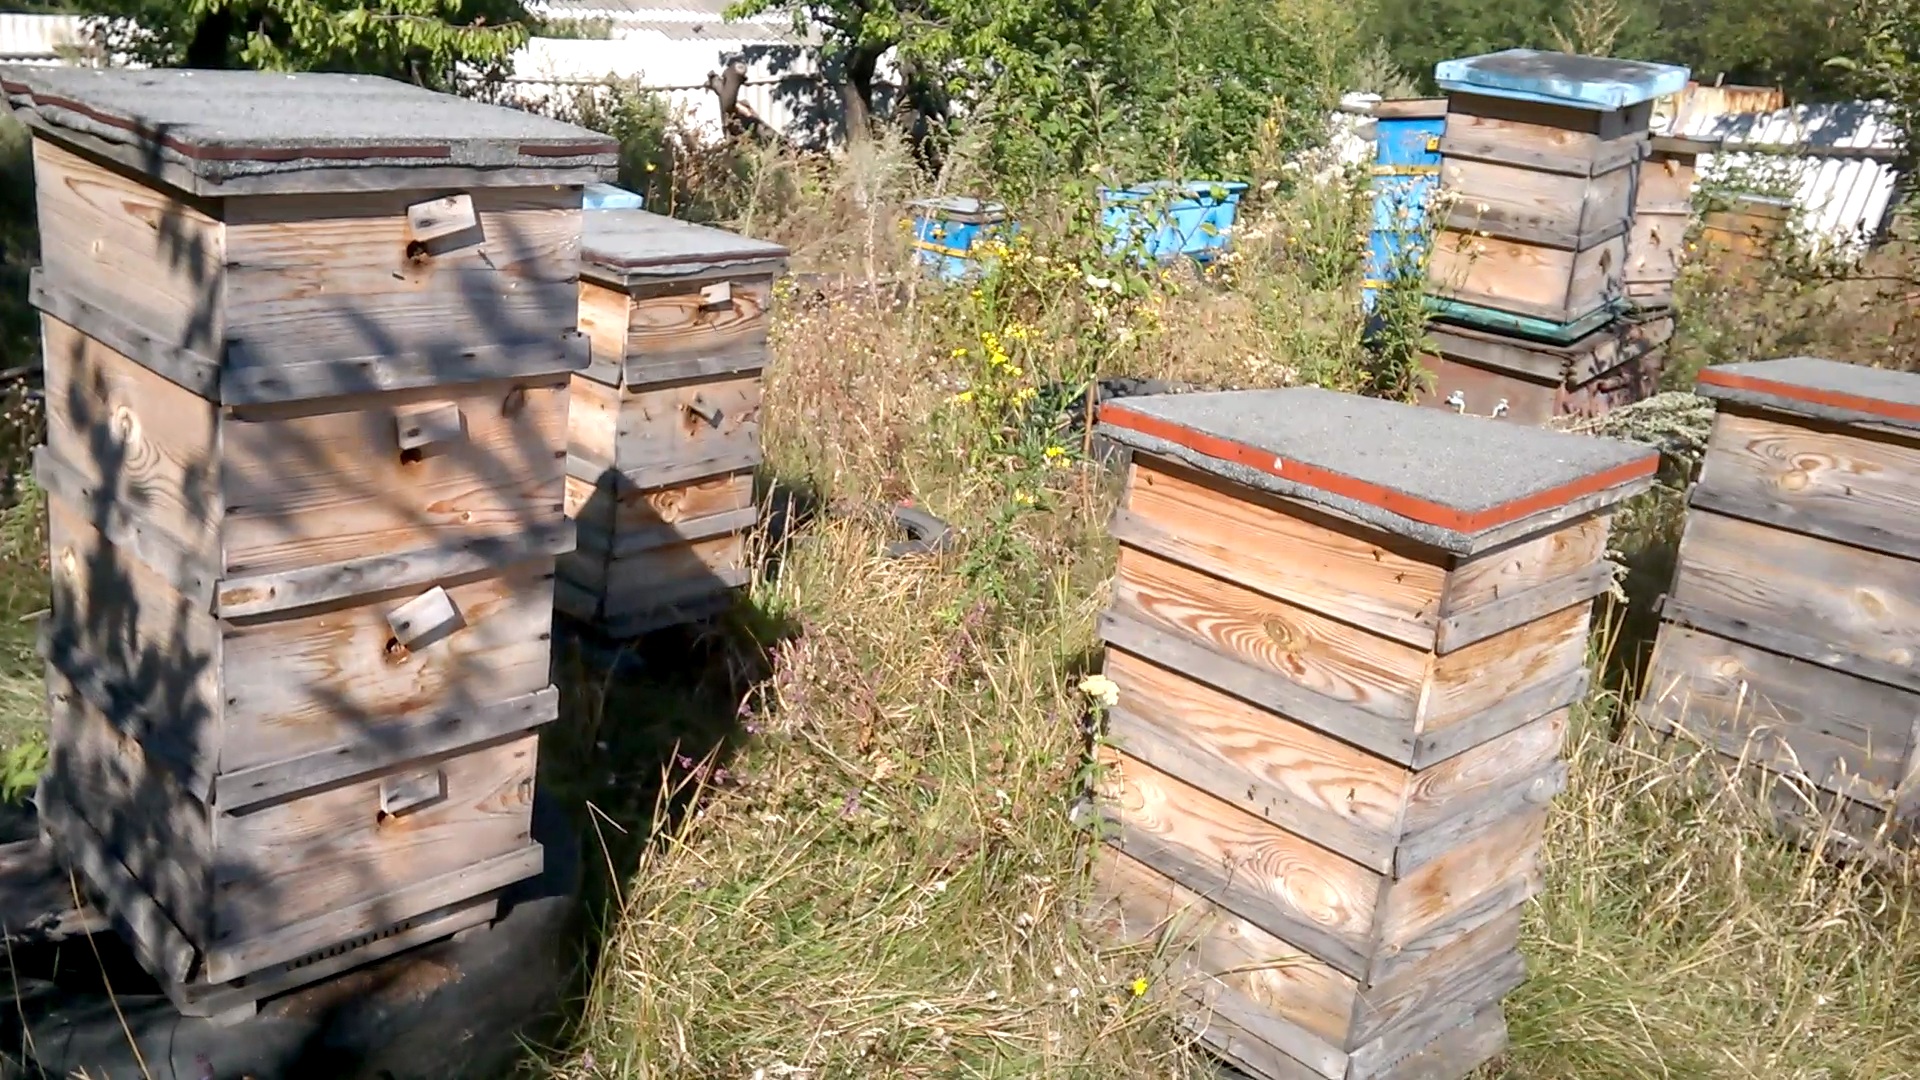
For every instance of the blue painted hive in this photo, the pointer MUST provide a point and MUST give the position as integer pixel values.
(608, 197)
(945, 231)
(1164, 219)
(1540, 159)
(1406, 169)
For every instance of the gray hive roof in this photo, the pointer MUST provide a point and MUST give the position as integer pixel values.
(1453, 482)
(1820, 389)
(220, 132)
(625, 246)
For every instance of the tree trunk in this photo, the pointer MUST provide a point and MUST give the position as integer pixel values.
(856, 94)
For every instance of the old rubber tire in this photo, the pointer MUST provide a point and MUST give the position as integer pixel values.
(926, 534)
(454, 1010)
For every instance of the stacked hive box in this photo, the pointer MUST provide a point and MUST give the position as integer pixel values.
(665, 432)
(1788, 637)
(307, 345)
(1406, 169)
(1662, 214)
(1539, 164)
(1346, 636)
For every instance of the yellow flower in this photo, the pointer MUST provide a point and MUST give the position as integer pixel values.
(1101, 689)
(1023, 498)
(1024, 395)
(1015, 370)
(960, 353)
(963, 397)
(1139, 988)
(1055, 452)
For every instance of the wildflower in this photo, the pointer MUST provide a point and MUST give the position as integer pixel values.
(960, 353)
(1055, 453)
(1101, 689)
(963, 397)
(1023, 498)
(1024, 395)
(1139, 988)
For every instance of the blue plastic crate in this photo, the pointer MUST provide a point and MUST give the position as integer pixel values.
(1406, 170)
(945, 231)
(1165, 219)
(608, 197)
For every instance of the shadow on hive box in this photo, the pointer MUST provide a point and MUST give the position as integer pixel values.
(307, 377)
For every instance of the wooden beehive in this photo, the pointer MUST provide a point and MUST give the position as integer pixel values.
(1662, 214)
(1346, 636)
(1788, 636)
(1538, 162)
(307, 346)
(665, 433)
(1745, 232)
(1530, 382)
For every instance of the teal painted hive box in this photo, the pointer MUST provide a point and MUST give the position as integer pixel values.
(946, 231)
(1406, 170)
(1539, 159)
(1164, 219)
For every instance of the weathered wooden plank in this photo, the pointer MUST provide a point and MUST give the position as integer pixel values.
(1237, 1045)
(329, 678)
(1352, 574)
(474, 879)
(190, 571)
(41, 902)
(281, 865)
(341, 277)
(1844, 734)
(1544, 559)
(165, 256)
(1395, 957)
(1478, 969)
(679, 432)
(1773, 638)
(1457, 1052)
(256, 595)
(1302, 1005)
(1527, 279)
(1388, 738)
(1812, 478)
(673, 327)
(77, 306)
(1286, 773)
(1298, 891)
(1419, 848)
(1324, 655)
(250, 379)
(639, 582)
(1518, 708)
(1523, 607)
(1825, 602)
(621, 544)
(1434, 894)
(187, 744)
(644, 371)
(438, 732)
(1535, 206)
(1472, 681)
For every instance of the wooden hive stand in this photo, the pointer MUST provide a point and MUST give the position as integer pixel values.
(1662, 216)
(307, 346)
(1540, 158)
(1347, 635)
(1524, 381)
(1788, 638)
(665, 433)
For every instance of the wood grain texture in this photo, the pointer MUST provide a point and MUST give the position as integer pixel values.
(686, 431)
(164, 257)
(637, 583)
(1329, 568)
(1298, 891)
(1526, 606)
(88, 308)
(146, 821)
(330, 678)
(603, 318)
(1851, 602)
(1287, 773)
(286, 863)
(1840, 484)
(1527, 205)
(139, 439)
(1433, 894)
(672, 331)
(1476, 970)
(341, 276)
(1528, 564)
(1527, 279)
(1470, 681)
(1442, 792)
(593, 424)
(1844, 734)
(1324, 655)
(1457, 1052)
(310, 484)
(1135, 905)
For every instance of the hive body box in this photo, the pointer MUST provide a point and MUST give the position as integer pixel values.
(665, 432)
(1406, 170)
(1530, 382)
(1789, 635)
(1539, 158)
(307, 346)
(1347, 634)
(1662, 213)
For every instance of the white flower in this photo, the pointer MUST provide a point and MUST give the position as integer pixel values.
(1101, 689)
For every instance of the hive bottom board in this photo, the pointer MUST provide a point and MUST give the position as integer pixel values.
(1527, 382)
